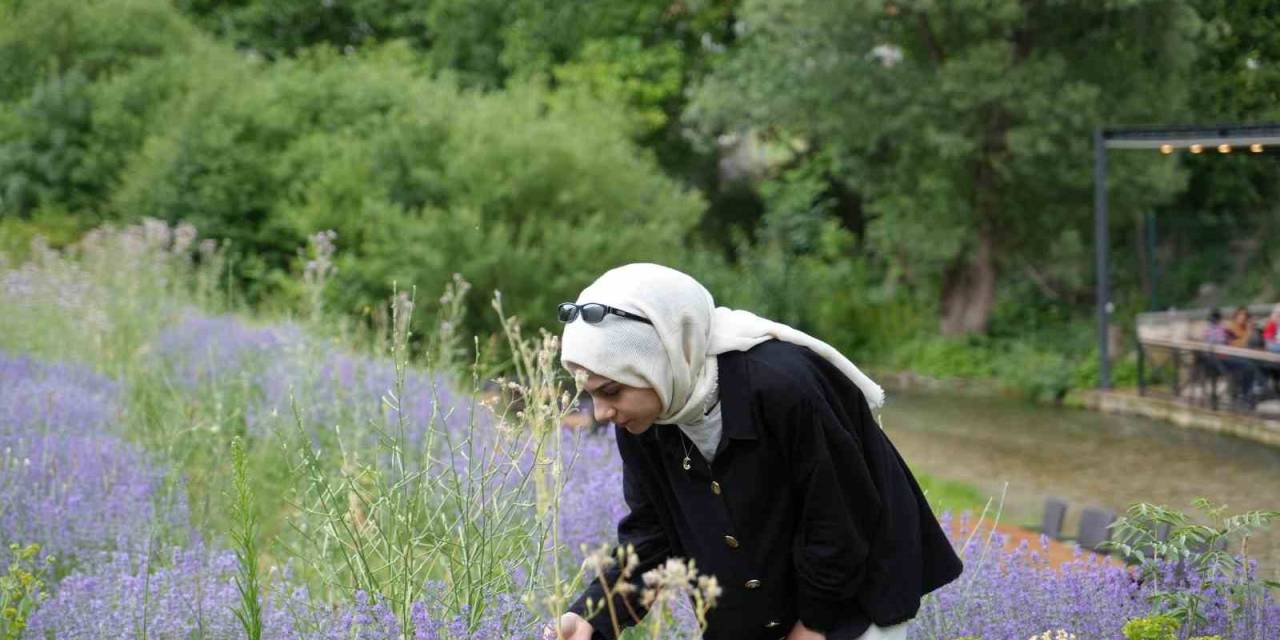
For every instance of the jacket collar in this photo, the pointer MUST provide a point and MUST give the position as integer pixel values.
(738, 420)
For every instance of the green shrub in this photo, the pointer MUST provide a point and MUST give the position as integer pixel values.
(43, 147)
(1152, 537)
(73, 108)
(419, 179)
(281, 27)
(56, 228)
(95, 38)
(934, 355)
(1037, 373)
(1155, 627)
(22, 589)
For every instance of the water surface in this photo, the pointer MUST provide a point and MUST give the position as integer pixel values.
(1086, 457)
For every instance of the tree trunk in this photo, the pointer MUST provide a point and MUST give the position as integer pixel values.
(969, 284)
(969, 289)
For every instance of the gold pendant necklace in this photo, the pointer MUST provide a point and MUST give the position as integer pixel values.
(687, 463)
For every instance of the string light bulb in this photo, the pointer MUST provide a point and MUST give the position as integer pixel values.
(1197, 148)
(1224, 148)
(1255, 147)
(1166, 149)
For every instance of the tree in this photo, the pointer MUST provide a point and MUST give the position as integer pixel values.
(76, 78)
(1222, 230)
(964, 127)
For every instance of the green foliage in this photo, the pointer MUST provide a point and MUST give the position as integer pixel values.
(1222, 231)
(947, 357)
(885, 148)
(80, 83)
(803, 268)
(1237, 60)
(43, 158)
(21, 589)
(959, 129)
(281, 27)
(55, 229)
(1195, 547)
(950, 495)
(62, 147)
(1155, 627)
(540, 36)
(624, 71)
(244, 537)
(54, 37)
(420, 180)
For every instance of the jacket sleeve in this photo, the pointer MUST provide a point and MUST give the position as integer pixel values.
(837, 501)
(640, 528)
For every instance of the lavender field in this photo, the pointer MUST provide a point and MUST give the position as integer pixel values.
(171, 469)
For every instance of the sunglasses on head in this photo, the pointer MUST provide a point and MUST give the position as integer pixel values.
(593, 313)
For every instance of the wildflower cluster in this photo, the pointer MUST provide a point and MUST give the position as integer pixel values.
(1060, 634)
(673, 598)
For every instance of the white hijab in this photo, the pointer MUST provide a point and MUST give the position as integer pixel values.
(676, 357)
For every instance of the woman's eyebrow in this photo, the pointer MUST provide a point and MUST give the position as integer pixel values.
(601, 386)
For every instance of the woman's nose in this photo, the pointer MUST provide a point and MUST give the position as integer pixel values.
(603, 411)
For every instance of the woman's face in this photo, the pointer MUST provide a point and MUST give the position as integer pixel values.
(1241, 316)
(632, 408)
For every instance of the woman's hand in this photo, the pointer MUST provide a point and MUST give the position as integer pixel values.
(801, 632)
(572, 627)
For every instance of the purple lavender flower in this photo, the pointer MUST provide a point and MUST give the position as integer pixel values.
(191, 593)
(67, 480)
(592, 503)
(204, 350)
(1015, 594)
(188, 593)
(72, 483)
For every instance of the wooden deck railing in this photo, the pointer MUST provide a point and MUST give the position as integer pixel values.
(1206, 364)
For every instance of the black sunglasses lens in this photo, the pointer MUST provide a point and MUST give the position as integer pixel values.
(567, 312)
(593, 313)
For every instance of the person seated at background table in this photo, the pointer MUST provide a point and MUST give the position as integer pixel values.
(1215, 333)
(1270, 330)
(1243, 332)
(1239, 372)
(1240, 328)
(1269, 336)
(1255, 339)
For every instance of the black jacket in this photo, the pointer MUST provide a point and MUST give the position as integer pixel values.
(808, 512)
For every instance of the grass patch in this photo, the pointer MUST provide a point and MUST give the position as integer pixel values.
(950, 495)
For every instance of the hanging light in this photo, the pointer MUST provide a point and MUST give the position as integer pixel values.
(1255, 147)
(1224, 148)
(1166, 149)
(1197, 148)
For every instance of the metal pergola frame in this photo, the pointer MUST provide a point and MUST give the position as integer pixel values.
(1248, 139)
